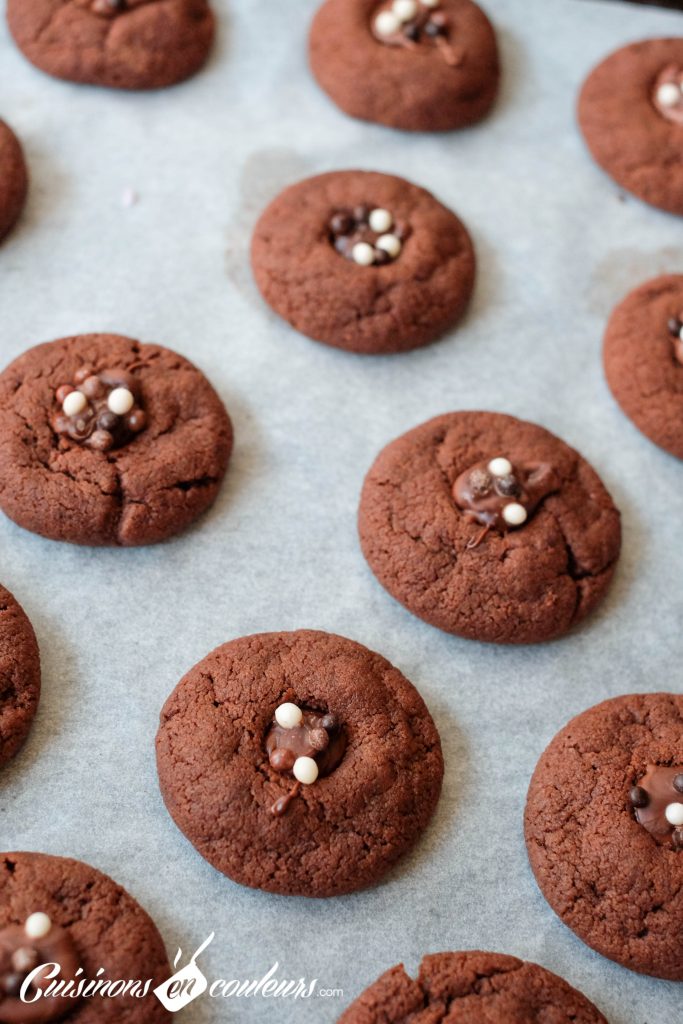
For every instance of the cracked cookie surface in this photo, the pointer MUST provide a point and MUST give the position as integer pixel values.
(13, 179)
(344, 831)
(402, 304)
(19, 676)
(144, 492)
(108, 928)
(626, 134)
(410, 87)
(476, 987)
(527, 585)
(605, 875)
(139, 44)
(641, 365)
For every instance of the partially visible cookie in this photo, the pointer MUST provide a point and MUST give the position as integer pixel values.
(643, 359)
(299, 763)
(13, 179)
(489, 527)
(604, 830)
(631, 115)
(124, 44)
(105, 440)
(472, 987)
(363, 261)
(420, 65)
(54, 910)
(19, 676)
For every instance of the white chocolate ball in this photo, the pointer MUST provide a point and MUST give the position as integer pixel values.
(674, 814)
(74, 403)
(680, 334)
(288, 716)
(38, 926)
(363, 254)
(514, 514)
(305, 770)
(381, 221)
(405, 9)
(500, 467)
(387, 24)
(669, 94)
(120, 401)
(390, 243)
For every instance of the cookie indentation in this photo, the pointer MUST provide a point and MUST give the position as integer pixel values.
(100, 409)
(657, 800)
(367, 235)
(24, 949)
(500, 496)
(668, 93)
(418, 25)
(305, 744)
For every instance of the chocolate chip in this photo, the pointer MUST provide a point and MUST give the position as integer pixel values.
(92, 387)
(319, 739)
(382, 257)
(507, 486)
(677, 838)
(136, 421)
(282, 760)
(433, 29)
(82, 374)
(62, 392)
(480, 482)
(101, 440)
(362, 214)
(674, 326)
(639, 797)
(107, 420)
(412, 32)
(678, 783)
(341, 224)
(329, 721)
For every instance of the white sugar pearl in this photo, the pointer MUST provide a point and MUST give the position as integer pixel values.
(74, 403)
(120, 401)
(390, 244)
(674, 814)
(38, 926)
(381, 221)
(405, 9)
(500, 467)
(305, 770)
(288, 716)
(668, 94)
(363, 254)
(387, 24)
(514, 514)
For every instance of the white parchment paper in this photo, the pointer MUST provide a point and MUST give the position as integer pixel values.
(558, 247)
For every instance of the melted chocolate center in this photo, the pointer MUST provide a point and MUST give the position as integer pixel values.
(319, 736)
(428, 29)
(654, 792)
(19, 956)
(484, 496)
(96, 425)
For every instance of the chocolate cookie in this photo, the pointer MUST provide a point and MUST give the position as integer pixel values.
(54, 910)
(604, 830)
(13, 179)
(631, 116)
(104, 440)
(125, 44)
(643, 359)
(420, 65)
(299, 763)
(472, 987)
(19, 676)
(362, 261)
(489, 527)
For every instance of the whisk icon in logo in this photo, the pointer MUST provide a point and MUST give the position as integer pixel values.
(187, 984)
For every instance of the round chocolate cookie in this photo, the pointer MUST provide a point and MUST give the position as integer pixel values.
(125, 44)
(420, 65)
(489, 527)
(643, 359)
(13, 179)
(104, 440)
(473, 987)
(299, 763)
(631, 116)
(363, 261)
(604, 830)
(19, 676)
(54, 910)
